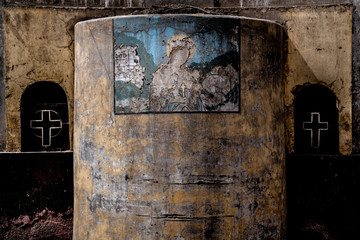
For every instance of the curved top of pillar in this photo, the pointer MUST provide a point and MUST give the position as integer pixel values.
(176, 63)
(210, 16)
(175, 164)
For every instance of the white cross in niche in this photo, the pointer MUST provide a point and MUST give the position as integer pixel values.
(315, 126)
(46, 125)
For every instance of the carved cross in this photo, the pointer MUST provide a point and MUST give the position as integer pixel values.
(46, 125)
(315, 127)
(183, 89)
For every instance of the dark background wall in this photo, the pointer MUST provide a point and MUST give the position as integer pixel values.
(2, 83)
(323, 196)
(356, 77)
(36, 197)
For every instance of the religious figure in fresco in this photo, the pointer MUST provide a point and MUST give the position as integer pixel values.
(199, 74)
(175, 87)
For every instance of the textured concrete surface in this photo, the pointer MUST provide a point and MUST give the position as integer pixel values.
(320, 51)
(317, 43)
(323, 22)
(186, 176)
(35, 52)
(38, 51)
(313, 57)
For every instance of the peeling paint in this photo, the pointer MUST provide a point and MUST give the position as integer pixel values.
(194, 64)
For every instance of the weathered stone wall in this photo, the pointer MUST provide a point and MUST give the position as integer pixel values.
(35, 52)
(313, 57)
(320, 51)
(324, 57)
(36, 20)
(187, 176)
(317, 43)
(38, 51)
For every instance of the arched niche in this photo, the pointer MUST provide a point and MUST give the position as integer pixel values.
(316, 121)
(44, 118)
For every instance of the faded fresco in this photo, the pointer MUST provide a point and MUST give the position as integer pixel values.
(176, 64)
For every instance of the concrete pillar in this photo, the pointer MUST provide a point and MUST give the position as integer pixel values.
(184, 175)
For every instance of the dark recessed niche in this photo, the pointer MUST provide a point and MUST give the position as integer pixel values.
(44, 118)
(316, 121)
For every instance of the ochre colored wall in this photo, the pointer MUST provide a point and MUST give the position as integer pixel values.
(39, 28)
(186, 176)
(319, 51)
(38, 47)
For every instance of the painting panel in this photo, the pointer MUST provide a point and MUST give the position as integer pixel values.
(178, 63)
